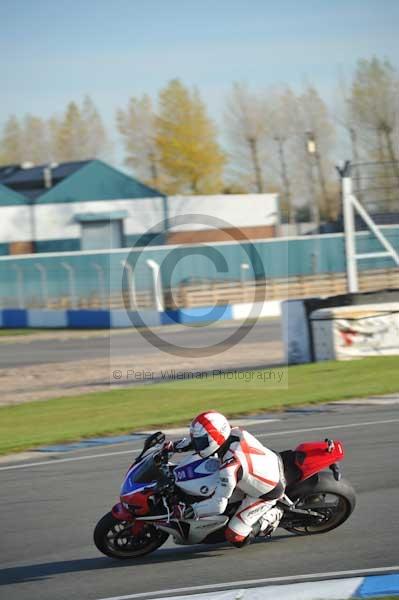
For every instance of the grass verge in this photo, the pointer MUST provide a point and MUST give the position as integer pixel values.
(12, 332)
(39, 423)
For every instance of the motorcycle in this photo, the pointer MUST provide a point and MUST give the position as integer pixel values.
(316, 500)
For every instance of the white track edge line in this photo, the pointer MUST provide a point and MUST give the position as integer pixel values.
(57, 461)
(254, 582)
(345, 426)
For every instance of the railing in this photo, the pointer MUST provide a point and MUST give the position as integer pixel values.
(281, 289)
(124, 277)
(231, 292)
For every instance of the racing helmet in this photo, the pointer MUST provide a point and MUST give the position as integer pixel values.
(209, 431)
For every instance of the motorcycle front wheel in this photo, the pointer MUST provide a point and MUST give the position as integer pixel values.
(114, 538)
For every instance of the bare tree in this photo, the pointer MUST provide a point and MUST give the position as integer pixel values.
(137, 125)
(374, 101)
(369, 111)
(283, 115)
(315, 123)
(36, 142)
(11, 146)
(356, 137)
(375, 109)
(246, 124)
(95, 142)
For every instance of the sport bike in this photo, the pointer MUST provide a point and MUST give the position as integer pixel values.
(316, 500)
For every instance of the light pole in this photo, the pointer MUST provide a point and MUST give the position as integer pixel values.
(244, 267)
(285, 180)
(101, 283)
(43, 283)
(311, 149)
(157, 284)
(130, 283)
(20, 285)
(71, 283)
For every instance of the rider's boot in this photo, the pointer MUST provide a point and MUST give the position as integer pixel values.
(269, 522)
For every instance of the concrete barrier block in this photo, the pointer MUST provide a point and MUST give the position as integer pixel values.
(204, 314)
(243, 310)
(132, 318)
(296, 336)
(47, 318)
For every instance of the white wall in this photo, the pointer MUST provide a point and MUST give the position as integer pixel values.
(56, 221)
(237, 210)
(15, 224)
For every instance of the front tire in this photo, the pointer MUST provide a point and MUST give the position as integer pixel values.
(114, 538)
(334, 500)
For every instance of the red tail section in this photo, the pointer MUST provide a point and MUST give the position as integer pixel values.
(312, 457)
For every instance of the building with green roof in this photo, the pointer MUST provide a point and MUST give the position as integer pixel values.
(82, 205)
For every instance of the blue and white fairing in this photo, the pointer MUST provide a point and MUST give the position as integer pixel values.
(141, 476)
(194, 475)
(197, 476)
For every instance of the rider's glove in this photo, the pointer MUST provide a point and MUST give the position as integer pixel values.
(169, 447)
(183, 445)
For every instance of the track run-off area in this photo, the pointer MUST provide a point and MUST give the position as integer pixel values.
(49, 508)
(75, 362)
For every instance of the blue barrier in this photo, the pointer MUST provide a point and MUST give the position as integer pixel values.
(14, 318)
(88, 319)
(170, 317)
(11, 318)
(205, 314)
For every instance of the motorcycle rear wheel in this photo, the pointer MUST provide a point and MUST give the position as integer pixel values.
(113, 538)
(334, 500)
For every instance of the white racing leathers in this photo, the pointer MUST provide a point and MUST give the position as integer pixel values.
(253, 473)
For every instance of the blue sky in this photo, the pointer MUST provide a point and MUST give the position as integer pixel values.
(52, 52)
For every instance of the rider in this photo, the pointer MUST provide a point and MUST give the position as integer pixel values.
(253, 473)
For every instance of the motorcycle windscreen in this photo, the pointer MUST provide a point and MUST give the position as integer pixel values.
(145, 472)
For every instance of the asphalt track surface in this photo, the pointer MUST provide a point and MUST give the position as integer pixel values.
(44, 351)
(48, 513)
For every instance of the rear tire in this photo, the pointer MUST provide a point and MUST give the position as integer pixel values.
(335, 500)
(113, 538)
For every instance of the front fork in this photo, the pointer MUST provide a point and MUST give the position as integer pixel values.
(121, 513)
(135, 525)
